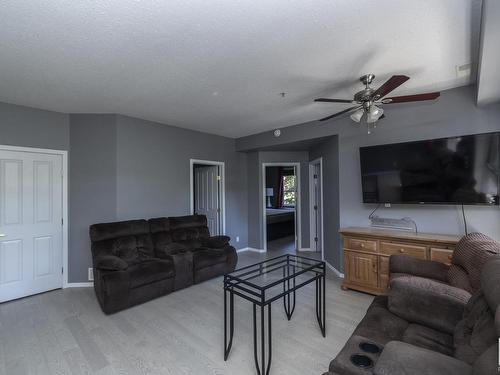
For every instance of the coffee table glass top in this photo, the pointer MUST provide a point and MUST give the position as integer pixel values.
(263, 282)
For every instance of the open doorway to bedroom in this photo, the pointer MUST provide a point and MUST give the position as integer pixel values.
(281, 207)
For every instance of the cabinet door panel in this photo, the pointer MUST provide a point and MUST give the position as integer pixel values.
(361, 268)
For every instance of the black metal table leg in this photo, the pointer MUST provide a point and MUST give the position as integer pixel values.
(320, 303)
(288, 298)
(265, 366)
(227, 346)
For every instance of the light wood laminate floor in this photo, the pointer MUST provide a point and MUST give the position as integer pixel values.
(65, 332)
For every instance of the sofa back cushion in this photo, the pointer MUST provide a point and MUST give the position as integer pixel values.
(189, 230)
(481, 324)
(160, 234)
(129, 240)
(468, 259)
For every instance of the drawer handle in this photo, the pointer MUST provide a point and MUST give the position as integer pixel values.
(449, 257)
(401, 250)
(362, 245)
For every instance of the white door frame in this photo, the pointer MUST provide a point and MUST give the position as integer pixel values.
(220, 164)
(64, 177)
(298, 227)
(311, 203)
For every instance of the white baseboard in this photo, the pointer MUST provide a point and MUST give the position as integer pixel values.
(335, 271)
(79, 285)
(306, 249)
(250, 249)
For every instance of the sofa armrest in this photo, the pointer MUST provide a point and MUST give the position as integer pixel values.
(110, 263)
(216, 242)
(400, 358)
(428, 302)
(418, 267)
(183, 268)
(170, 249)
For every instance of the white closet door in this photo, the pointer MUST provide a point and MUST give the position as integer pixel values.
(30, 223)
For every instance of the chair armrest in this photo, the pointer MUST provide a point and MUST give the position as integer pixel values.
(400, 358)
(110, 263)
(170, 249)
(418, 267)
(428, 302)
(216, 242)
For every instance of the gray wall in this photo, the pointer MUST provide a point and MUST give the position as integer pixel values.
(329, 152)
(30, 127)
(455, 113)
(488, 72)
(92, 165)
(153, 172)
(255, 192)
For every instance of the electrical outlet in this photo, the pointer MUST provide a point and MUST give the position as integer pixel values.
(237, 238)
(387, 205)
(91, 274)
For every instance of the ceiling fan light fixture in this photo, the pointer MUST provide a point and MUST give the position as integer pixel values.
(356, 116)
(374, 114)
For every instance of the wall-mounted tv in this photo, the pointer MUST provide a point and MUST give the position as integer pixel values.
(457, 170)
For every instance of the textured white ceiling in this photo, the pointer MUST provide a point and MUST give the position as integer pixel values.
(219, 65)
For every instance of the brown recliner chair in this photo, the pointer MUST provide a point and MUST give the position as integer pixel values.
(430, 282)
(426, 328)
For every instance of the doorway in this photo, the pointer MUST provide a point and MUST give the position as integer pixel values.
(281, 207)
(33, 217)
(207, 196)
(316, 205)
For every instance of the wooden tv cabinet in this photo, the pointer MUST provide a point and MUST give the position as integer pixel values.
(367, 252)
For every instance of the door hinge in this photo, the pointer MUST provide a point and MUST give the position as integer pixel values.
(315, 176)
(315, 239)
(218, 178)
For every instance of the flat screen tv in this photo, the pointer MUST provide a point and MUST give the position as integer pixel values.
(458, 170)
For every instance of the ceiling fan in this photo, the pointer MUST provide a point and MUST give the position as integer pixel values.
(369, 101)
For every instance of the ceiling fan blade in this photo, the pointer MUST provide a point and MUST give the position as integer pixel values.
(334, 100)
(391, 84)
(412, 98)
(340, 113)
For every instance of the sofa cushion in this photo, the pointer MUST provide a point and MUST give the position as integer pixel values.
(490, 281)
(216, 242)
(476, 332)
(428, 302)
(149, 271)
(189, 221)
(399, 358)
(487, 363)
(204, 257)
(110, 263)
(428, 338)
(106, 231)
(470, 254)
(379, 324)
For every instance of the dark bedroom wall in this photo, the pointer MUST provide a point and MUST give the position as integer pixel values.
(255, 192)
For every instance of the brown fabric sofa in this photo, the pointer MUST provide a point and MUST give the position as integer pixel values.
(419, 329)
(137, 260)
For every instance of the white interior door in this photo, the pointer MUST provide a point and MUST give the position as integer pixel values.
(207, 195)
(316, 208)
(30, 223)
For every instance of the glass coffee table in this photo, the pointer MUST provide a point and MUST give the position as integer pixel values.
(264, 283)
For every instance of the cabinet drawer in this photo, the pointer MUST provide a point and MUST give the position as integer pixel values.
(359, 244)
(394, 248)
(441, 255)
